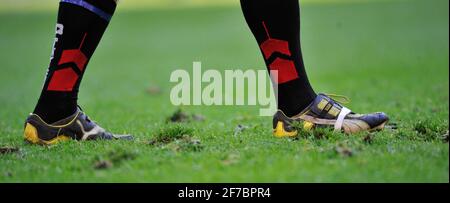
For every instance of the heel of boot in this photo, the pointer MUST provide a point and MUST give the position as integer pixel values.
(30, 134)
(279, 131)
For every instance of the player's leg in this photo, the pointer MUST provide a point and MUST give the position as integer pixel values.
(80, 26)
(276, 27)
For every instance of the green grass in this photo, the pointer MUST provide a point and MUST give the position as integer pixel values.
(386, 56)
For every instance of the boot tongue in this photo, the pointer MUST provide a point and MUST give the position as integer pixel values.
(324, 107)
(67, 120)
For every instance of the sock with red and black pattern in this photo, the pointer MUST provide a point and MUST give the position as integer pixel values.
(276, 27)
(80, 26)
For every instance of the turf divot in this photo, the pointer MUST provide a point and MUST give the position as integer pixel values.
(177, 138)
(113, 158)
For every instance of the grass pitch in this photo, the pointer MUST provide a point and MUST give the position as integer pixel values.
(387, 56)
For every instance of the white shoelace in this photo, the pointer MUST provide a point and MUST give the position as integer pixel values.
(340, 120)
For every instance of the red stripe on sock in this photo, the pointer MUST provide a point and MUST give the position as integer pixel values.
(286, 70)
(63, 80)
(271, 46)
(75, 56)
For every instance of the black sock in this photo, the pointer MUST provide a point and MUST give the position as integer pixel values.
(276, 27)
(80, 26)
